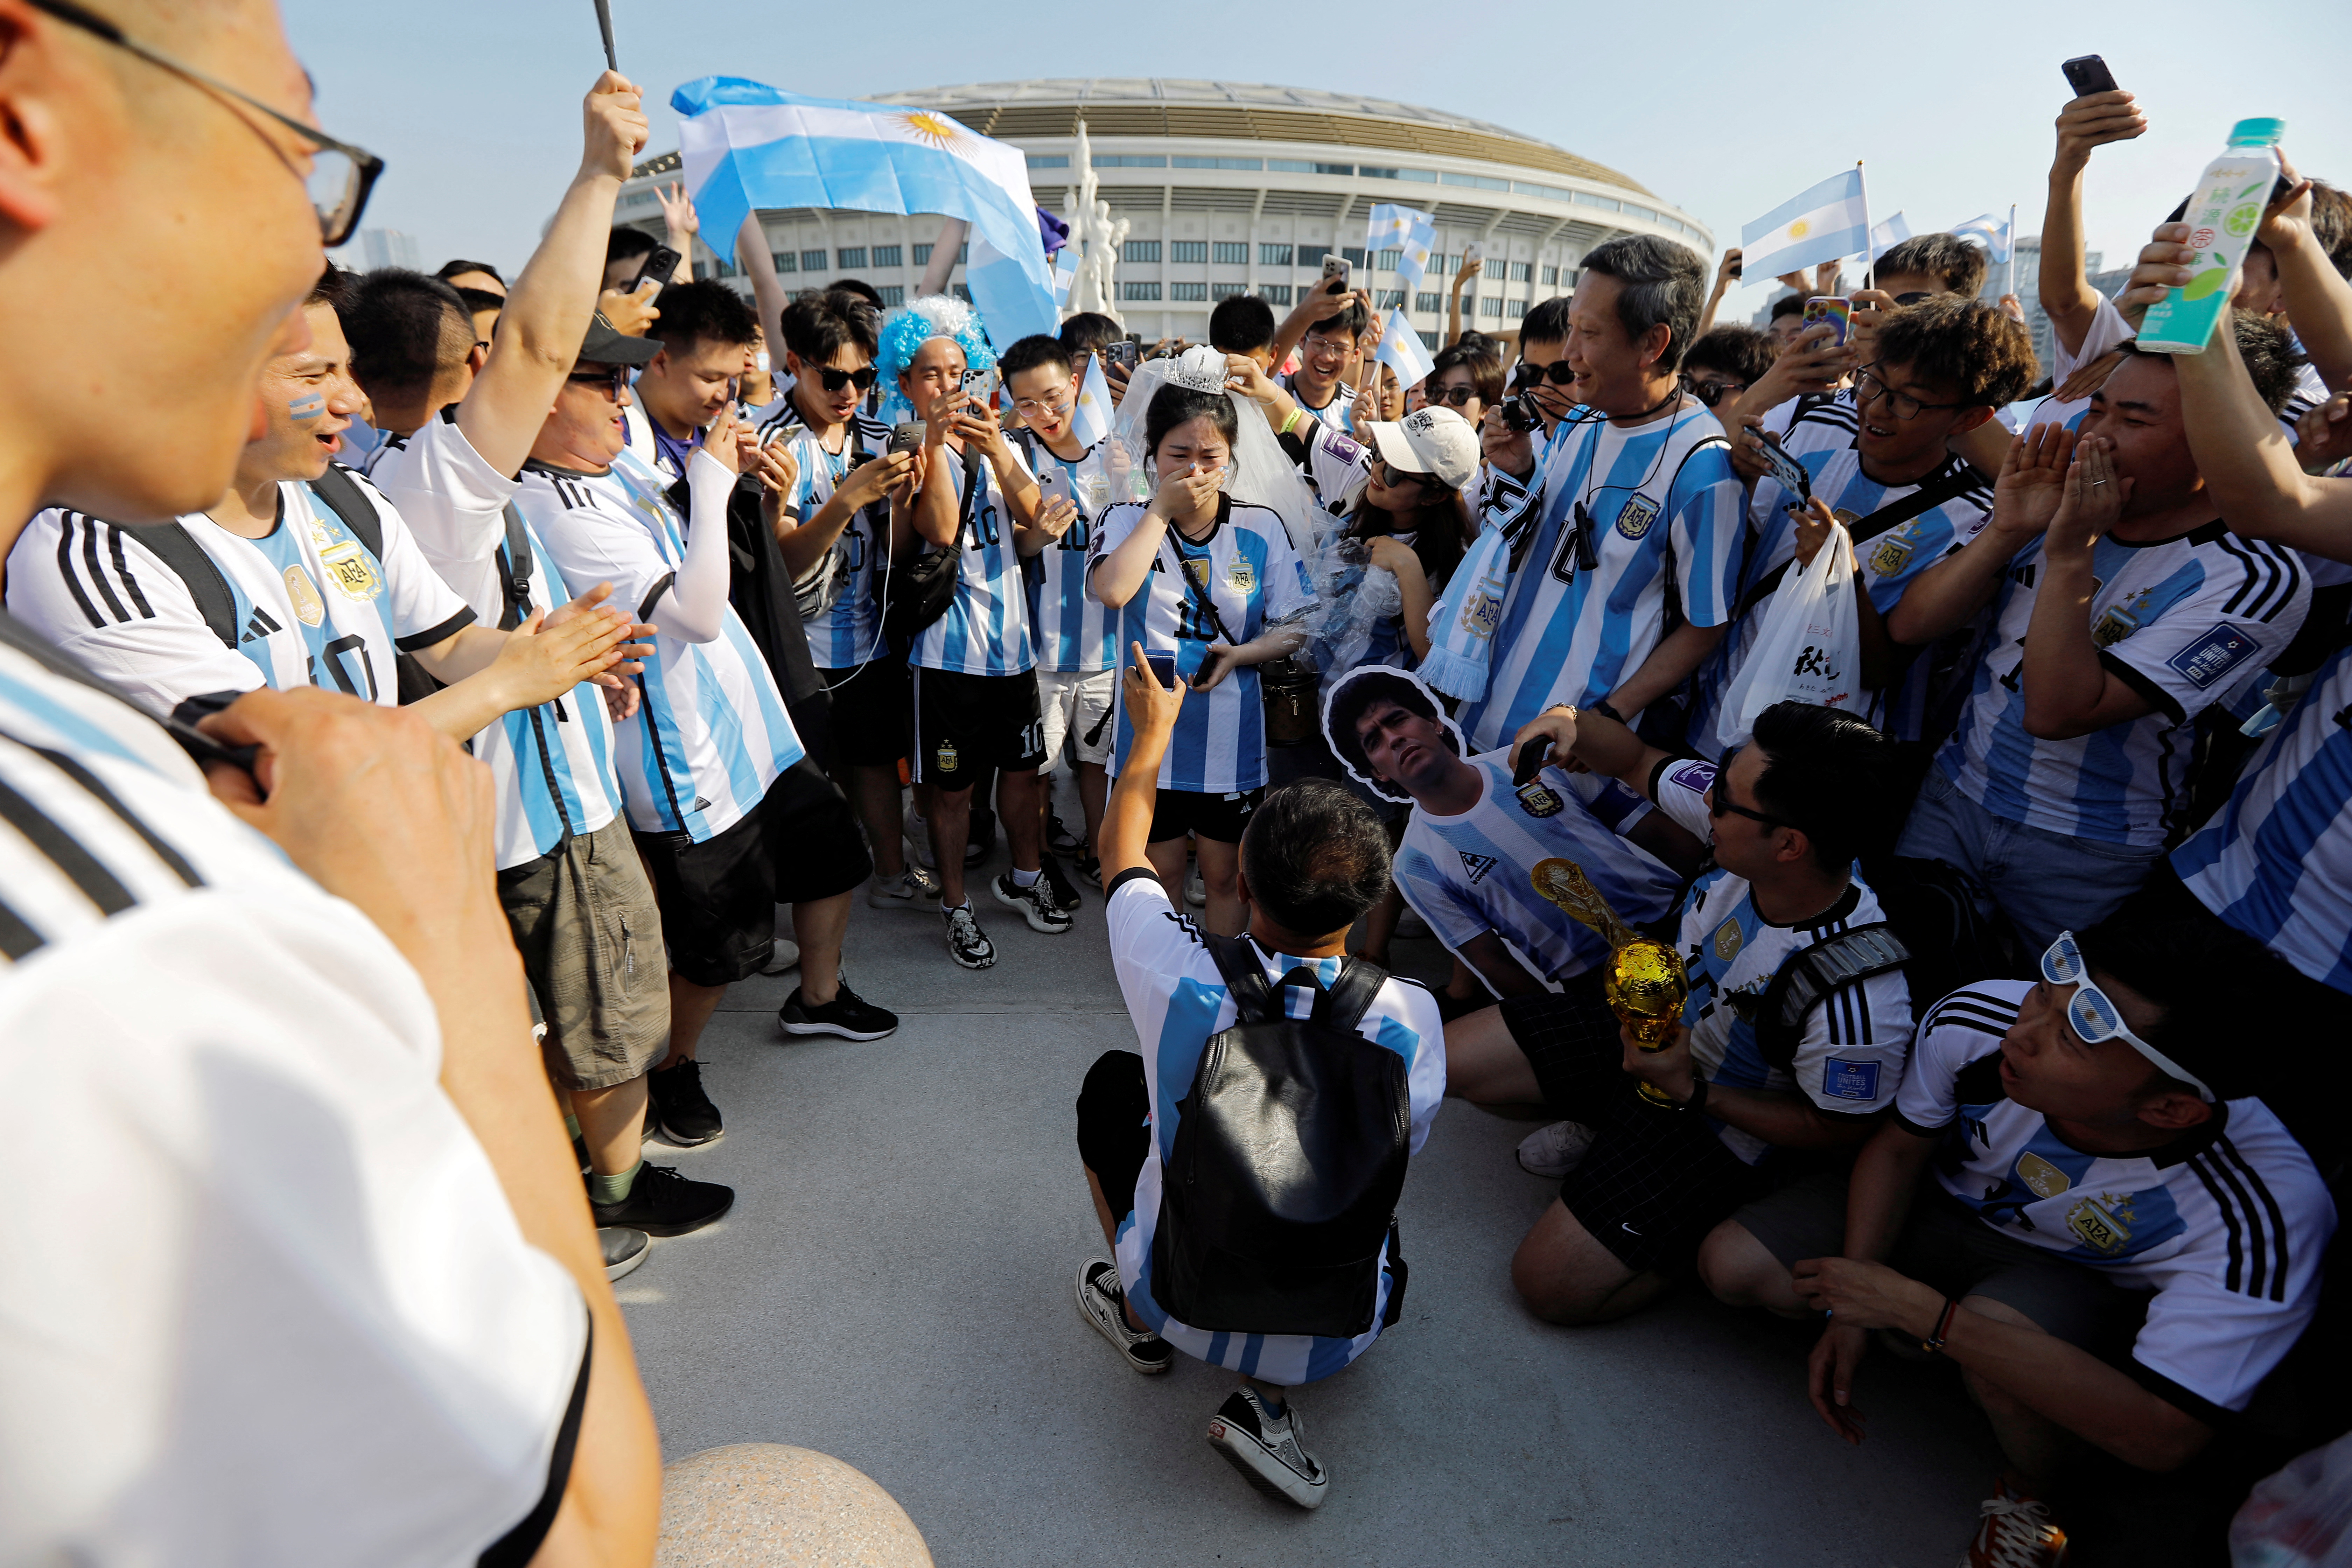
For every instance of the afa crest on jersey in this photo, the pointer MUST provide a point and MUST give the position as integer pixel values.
(1241, 576)
(1634, 519)
(352, 574)
(1539, 799)
(1894, 553)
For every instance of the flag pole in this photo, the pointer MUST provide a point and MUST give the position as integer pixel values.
(1869, 261)
(605, 22)
(2012, 249)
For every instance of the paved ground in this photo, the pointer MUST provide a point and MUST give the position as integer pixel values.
(894, 1287)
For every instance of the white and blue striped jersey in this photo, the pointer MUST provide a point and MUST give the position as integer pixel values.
(2277, 862)
(1850, 1059)
(849, 633)
(1176, 999)
(553, 764)
(986, 628)
(1823, 440)
(1340, 414)
(313, 605)
(1468, 875)
(2227, 1224)
(711, 733)
(2182, 622)
(1071, 630)
(1249, 573)
(170, 985)
(1664, 509)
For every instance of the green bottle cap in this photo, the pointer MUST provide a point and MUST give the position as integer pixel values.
(2257, 132)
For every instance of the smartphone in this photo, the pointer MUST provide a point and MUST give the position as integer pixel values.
(981, 386)
(906, 437)
(1530, 759)
(1734, 268)
(1337, 266)
(2087, 74)
(1056, 485)
(659, 264)
(1833, 308)
(1474, 251)
(1163, 669)
(1127, 354)
(1787, 470)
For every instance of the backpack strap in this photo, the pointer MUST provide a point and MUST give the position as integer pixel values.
(1927, 498)
(1351, 995)
(514, 571)
(340, 490)
(1236, 958)
(1811, 973)
(1340, 1006)
(199, 574)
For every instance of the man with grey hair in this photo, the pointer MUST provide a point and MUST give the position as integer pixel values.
(1635, 500)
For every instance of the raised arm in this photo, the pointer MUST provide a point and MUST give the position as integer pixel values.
(2032, 483)
(1469, 269)
(547, 313)
(1120, 571)
(1726, 273)
(2086, 123)
(2318, 299)
(1325, 299)
(1595, 740)
(2069, 690)
(1152, 709)
(752, 256)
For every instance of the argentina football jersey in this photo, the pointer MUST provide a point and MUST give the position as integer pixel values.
(986, 628)
(1248, 572)
(1637, 526)
(2181, 621)
(1072, 631)
(711, 732)
(849, 631)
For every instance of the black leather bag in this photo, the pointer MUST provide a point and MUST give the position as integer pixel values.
(1289, 1155)
(923, 589)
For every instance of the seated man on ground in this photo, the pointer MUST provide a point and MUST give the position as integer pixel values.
(1314, 858)
(1785, 816)
(2119, 1241)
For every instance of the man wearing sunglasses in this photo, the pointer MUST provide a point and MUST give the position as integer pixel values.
(2120, 1242)
(1784, 816)
(314, 1164)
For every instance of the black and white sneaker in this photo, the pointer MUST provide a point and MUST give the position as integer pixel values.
(1061, 840)
(1269, 1450)
(912, 888)
(1066, 893)
(1102, 1303)
(1036, 903)
(967, 943)
(848, 1015)
(686, 1116)
(1553, 1151)
(624, 1249)
(663, 1203)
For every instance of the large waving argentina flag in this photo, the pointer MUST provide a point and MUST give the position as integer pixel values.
(746, 145)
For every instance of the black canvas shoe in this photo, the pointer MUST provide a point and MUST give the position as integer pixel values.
(1060, 839)
(1103, 1304)
(848, 1015)
(686, 1116)
(1035, 903)
(624, 1249)
(1269, 1450)
(1066, 893)
(663, 1203)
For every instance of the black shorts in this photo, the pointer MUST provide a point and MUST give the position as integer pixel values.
(869, 712)
(965, 724)
(1219, 818)
(1113, 1106)
(1655, 1180)
(719, 898)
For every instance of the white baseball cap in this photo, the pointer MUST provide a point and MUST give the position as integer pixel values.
(1435, 441)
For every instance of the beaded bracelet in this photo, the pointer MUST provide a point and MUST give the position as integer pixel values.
(1934, 1345)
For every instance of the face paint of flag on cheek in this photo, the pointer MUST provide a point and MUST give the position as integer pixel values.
(309, 406)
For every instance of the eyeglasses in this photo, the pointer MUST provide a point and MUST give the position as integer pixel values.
(2093, 1016)
(1034, 406)
(1719, 803)
(1456, 395)
(1913, 298)
(835, 380)
(340, 174)
(1558, 373)
(1315, 343)
(1710, 393)
(613, 379)
(1868, 385)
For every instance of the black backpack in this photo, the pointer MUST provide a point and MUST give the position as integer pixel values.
(1290, 1151)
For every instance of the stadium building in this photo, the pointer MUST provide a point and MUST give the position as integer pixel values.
(1229, 188)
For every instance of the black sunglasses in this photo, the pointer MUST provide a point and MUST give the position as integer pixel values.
(1456, 395)
(1558, 373)
(614, 378)
(835, 380)
(1913, 298)
(1710, 393)
(1719, 803)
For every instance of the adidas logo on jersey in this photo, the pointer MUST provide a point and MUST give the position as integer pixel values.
(1477, 865)
(259, 625)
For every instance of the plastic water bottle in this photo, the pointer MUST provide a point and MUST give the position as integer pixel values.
(2222, 217)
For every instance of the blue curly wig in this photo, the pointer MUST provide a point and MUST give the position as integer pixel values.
(908, 328)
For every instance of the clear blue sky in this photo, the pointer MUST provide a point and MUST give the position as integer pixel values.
(1723, 107)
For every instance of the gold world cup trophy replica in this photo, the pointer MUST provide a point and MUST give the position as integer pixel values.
(1643, 982)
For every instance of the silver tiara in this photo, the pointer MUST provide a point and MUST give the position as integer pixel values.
(1198, 369)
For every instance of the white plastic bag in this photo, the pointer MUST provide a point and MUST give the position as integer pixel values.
(1810, 647)
(2301, 1517)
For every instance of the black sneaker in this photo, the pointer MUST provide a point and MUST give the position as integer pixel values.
(1035, 903)
(967, 943)
(1269, 1450)
(624, 1249)
(1060, 839)
(1103, 1304)
(663, 1203)
(1066, 893)
(686, 1116)
(848, 1015)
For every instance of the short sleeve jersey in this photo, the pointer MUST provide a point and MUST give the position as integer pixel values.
(1071, 631)
(2181, 622)
(1176, 999)
(1851, 1056)
(848, 633)
(986, 628)
(240, 1081)
(552, 765)
(1469, 874)
(312, 605)
(711, 732)
(1248, 572)
(1823, 440)
(1637, 527)
(1340, 414)
(2227, 1225)
(2276, 861)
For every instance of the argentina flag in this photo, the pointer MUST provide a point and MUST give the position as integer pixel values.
(1823, 224)
(1410, 232)
(1991, 230)
(745, 145)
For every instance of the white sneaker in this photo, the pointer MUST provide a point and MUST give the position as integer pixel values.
(1196, 892)
(2015, 1533)
(1553, 1151)
(919, 840)
(912, 888)
(1269, 1450)
(783, 957)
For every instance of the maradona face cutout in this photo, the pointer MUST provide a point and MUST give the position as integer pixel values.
(1397, 743)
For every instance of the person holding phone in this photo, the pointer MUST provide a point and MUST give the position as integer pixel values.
(1324, 327)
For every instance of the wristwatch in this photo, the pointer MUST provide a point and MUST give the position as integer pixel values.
(1605, 711)
(1697, 1101)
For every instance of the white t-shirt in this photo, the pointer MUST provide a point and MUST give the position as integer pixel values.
(986, 628)
(288, 1315)
(1176, 999)
(313, 605)
(2227, 1225)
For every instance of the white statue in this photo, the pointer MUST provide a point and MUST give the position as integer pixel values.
(1100, 236)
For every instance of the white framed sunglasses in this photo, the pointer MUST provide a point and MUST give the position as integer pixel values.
(2093, 1014)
